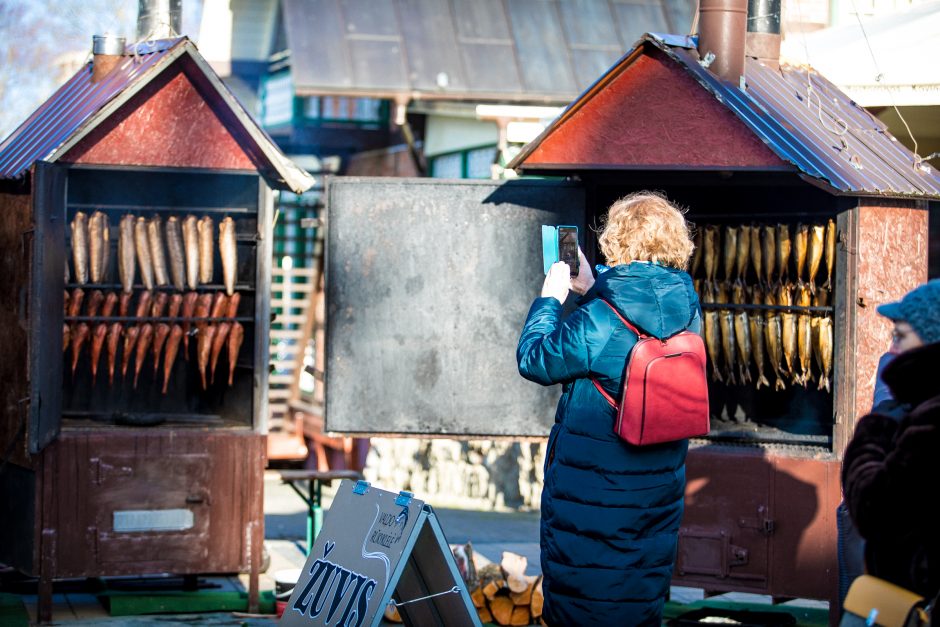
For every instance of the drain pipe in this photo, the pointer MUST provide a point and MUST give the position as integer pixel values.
(159, 19)
(401, 120)
(722, 24)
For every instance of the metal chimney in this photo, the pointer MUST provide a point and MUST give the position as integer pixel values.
(159, 19)
(722, 24)
(763, 31)
(107, 51)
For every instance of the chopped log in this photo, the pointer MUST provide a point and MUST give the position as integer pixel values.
(514, 566)
(502, 608)
(524, 597)
(477, 597)
(520, 616)
(537, 599)
(392, 615)
(493, 587)
(485, 615)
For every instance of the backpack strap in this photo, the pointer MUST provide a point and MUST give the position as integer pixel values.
(640, 335)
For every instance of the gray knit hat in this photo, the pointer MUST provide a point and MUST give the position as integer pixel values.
(920, 308)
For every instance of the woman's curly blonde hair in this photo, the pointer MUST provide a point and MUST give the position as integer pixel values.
(644, 226)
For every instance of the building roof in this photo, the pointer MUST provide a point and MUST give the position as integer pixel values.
(886, 63)
(802, 117)
(544, 51)
(79, 106)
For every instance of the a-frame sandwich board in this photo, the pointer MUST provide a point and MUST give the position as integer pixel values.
(375, 548)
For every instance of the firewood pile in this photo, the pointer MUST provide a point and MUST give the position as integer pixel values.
(501, 593)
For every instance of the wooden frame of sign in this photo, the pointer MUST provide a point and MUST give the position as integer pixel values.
(376, 548)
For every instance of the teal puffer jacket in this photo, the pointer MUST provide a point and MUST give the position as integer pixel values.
(610, 511)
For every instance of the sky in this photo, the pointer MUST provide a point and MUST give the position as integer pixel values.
(43, 43)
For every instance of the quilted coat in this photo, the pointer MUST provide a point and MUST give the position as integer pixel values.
(890, 474)
(610, 511)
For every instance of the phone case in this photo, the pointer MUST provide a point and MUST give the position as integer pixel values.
(549, 246)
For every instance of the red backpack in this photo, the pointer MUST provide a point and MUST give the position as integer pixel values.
(665, 391)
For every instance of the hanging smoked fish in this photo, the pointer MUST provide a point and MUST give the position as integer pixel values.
(755, 252)
(814, 252)
(206, 257)
(800, 243)
(825, 352)
(742, 334)
(729, 252)
(143, 343)
(774, 340)
(228, 250)
(80, 247)
(157, 253)
(142, 246)
(100, 333)
(191, 250)
(96, 246)
(784, 246)
(830, 252)
(189, 309)
(726, 328)
(804, 333)
(172, 348)
(789, 331)
(235, 338)
(713, 342)
(744, 249)
(175, 252)
(769, 254)
(756, 322)
(127, 254)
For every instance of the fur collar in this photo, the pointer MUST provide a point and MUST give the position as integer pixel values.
(914, 376)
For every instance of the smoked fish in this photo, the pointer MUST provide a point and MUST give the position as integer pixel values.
(814, 253)
(228, 250)
(830, 252)
(769, 253)
(205, 232)
(127, 254)
(744, 249)
(235, 338)
(784, 246)
(142, 246)
(825, 352)
(80, 247)
(729, 252)
(175, 252)
(800, 243)
(157, 254)
(191, 250)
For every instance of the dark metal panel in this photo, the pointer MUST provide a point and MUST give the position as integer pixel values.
(481, 19)
(541, 46)
(630, 16)
(491, 67)
(589, 23)
(45, 305)
(369, 17)
(378, 64)
(433, 61)
(315, 34)
(428, 284)
(18, 517)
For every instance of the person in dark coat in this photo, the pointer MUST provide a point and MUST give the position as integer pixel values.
(610, 511)
(891, 467)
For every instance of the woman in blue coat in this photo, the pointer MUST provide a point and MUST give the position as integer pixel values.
(610, 511)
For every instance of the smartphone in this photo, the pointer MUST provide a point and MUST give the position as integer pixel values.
(568, 247)
(560, 243)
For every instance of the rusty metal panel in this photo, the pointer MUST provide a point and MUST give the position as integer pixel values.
(891, 260)
(806, 493)
(724, 541)
(45, 305)
(428, 285)
(92, 474)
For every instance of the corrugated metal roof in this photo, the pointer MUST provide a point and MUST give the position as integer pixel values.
(79, 106)
(802, 117)
(543, 51)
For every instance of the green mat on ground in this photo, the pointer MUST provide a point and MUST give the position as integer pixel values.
(124, 603)
(12, 611)
(805, 616)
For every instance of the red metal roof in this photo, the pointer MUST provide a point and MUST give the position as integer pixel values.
(802, 117)
(79, 106)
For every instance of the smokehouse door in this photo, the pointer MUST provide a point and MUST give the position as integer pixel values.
(44, 303)
(428, 284)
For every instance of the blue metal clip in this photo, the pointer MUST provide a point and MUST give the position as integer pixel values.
(361, 487)
(404, 498)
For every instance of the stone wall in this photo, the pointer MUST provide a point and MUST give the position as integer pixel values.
(479, 474)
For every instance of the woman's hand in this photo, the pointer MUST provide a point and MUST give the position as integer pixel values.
(585, 279)
(557, 281)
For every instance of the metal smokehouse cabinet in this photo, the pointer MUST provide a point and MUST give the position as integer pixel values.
(135, 406)
(763, 487)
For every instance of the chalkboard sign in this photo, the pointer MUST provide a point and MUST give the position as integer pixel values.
(376, 548)
(428, 284)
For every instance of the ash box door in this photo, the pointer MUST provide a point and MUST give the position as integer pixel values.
(45, 305)
(428, 284)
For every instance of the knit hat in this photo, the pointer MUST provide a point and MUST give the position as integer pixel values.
(920, 308)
